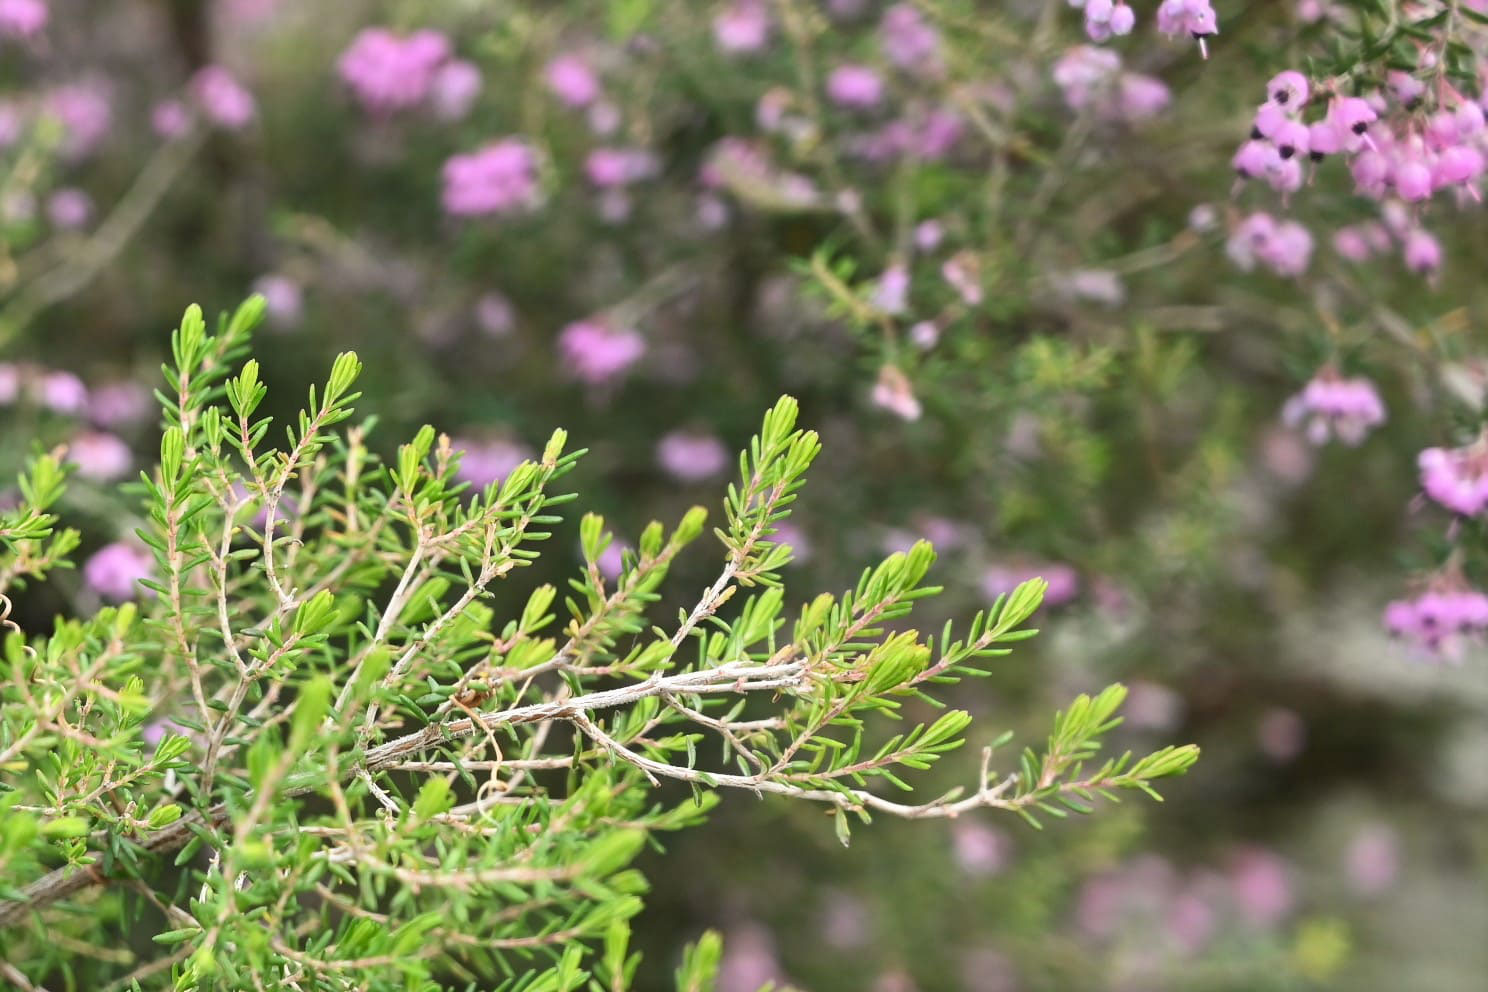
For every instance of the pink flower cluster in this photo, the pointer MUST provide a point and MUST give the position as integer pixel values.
(1092, 79)
(1283, 246)
(224, 101)
(100, 456)
(1064, 581)
(1442, 621)
(1395, 150)
(910, 42)
(1330, 406)
(893, 392)
(1105, 19)
(85, 111)
(485, 461)
(114, 571)
(388, 73)
(928, 137)
(58, 391)
(597, 352)
(610, 168)
(1457, 478)
(855, 87)
(742, 27)
(22, 18)
(572, 81)
(1148, 893)
(690, 456)
(500, 178)
(747, 169)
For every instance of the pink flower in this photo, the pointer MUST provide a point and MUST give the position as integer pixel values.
(1422, 252)
(69, 208)
(891, 295)
(1261, 884)
(928, 235)
(1330, 406)
(22, 18)
(1285, 246)
(1142, 96)
(1352, 244)
(113, 571)
(285, 301)
(154, 732)
(597, 352)
(749, 960)
(1190, 921)
(691, 457)
(963, 271)
(1096, 285)
(117, 404)
(84, 111)
(100, 456)
(388, 72)
(488, 461)
(789, 534)
(500, 178)
(894, 393)
(614, 167)
(572, 81)
(63, 392)
(223, 100)
(1064, 581)
(979, 850)
(1150, 706)
(1457, 478)
(855, 86)
(1444, 620)
(1189, 17)
(742, 27)
(611, 560)
(170, 119)
(1288, 89)
(494, 314)
(909, 41)
(454, 90)
(1083, 74)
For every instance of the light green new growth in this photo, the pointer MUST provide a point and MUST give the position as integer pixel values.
(360, 777)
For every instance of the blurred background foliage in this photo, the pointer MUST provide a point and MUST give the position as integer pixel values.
(1120, 427)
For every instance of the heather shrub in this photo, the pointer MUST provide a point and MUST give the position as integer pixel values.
(313, 754)
(1172, 305)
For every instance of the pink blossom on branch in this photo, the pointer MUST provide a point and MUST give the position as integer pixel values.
(224, 101)
(689, 456)
(23, 19)
(742, 27)
(388, 72)
(597, 352)
(1443, 621)
(114, 571)
(1330, 406)
(501, 178)
(572, 81)
(1457, 478)
(100, 456)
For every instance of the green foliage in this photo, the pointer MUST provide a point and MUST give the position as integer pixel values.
(359, 775)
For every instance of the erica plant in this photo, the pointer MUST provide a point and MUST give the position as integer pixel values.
(304, 752)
